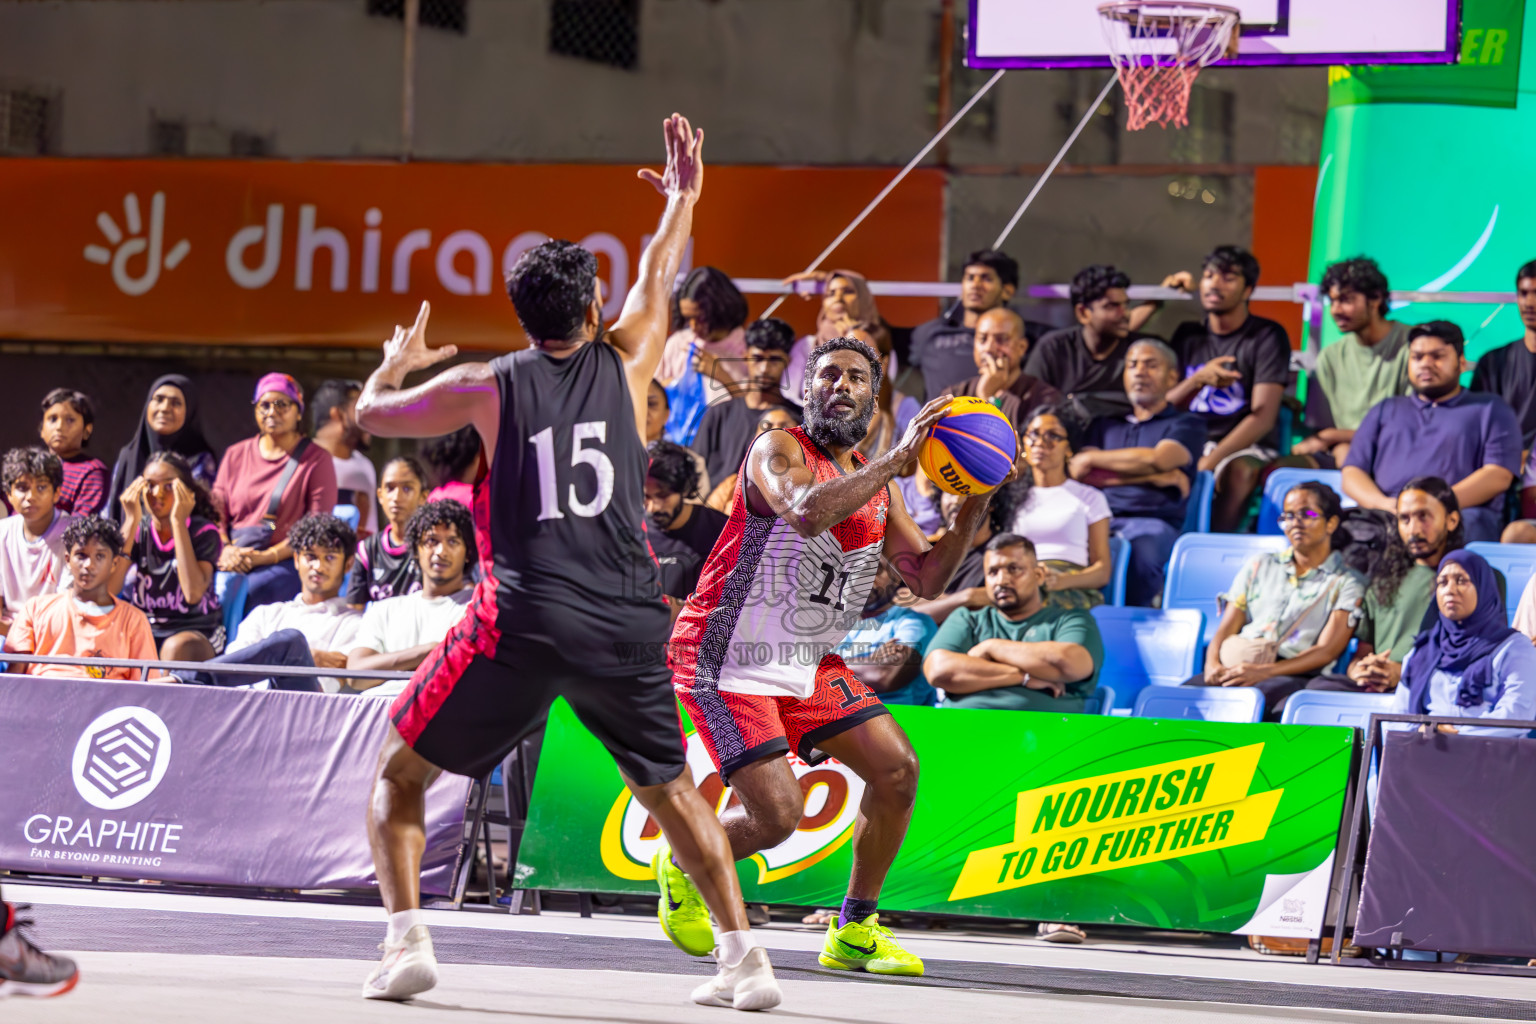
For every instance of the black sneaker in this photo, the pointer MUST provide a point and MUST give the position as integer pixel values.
(26, 970)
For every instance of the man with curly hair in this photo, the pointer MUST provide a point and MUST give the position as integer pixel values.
(398, 633)
(323, 548)
(85, 621)
(32, 540)
(1368, 365)
(682, 534)
(1087, 360)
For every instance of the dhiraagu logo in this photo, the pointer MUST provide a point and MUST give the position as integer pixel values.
(831, 793)
(1141, 816)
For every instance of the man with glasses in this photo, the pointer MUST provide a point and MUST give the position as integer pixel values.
(1144, 463)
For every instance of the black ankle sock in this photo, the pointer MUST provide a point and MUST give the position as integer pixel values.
(855, 910)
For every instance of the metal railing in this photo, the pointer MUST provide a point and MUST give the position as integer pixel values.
(1301, 292)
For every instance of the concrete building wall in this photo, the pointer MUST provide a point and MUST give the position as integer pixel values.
(773, 81)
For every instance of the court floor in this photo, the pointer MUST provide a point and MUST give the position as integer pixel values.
(161, 957)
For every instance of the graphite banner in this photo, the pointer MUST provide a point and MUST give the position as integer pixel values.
(1084, 818)
(199, 784)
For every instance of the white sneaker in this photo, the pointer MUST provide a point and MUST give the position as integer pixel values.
(408, 969)
(748, 985)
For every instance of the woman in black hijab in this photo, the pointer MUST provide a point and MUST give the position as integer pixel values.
(170, 423)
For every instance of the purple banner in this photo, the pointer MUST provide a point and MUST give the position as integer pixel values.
(200, 784)
(1452, 859)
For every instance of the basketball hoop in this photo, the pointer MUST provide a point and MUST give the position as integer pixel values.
(1159, 47)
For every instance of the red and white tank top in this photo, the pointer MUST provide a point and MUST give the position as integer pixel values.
(770, 603)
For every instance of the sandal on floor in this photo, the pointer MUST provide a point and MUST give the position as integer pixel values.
(1057, 932)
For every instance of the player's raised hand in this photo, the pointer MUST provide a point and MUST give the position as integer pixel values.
(684, 173)
(917, 431)
(407, 351)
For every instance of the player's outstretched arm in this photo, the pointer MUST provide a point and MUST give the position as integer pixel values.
(641, 330)
(459, 396)
(779, 483)
(927, 569)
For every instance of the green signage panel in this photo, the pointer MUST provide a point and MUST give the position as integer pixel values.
(1486, 72)
(1084, 818)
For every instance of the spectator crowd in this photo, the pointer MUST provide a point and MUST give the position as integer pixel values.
(289, 549)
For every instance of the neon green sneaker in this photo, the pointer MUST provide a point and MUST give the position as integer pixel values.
(865, 946)
(681, 910)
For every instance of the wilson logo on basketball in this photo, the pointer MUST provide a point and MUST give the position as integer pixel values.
(831, 793)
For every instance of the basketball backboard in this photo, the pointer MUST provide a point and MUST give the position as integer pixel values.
(1068, 34)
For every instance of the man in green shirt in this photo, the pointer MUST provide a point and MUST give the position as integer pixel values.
(1368, 364)
(1016, 654)
(1402, 589)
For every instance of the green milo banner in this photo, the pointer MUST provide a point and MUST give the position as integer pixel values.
(1084, 818)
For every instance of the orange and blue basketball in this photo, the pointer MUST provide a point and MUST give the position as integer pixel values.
(971, 449)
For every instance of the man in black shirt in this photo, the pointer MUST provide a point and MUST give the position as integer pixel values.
(942, 347)
(1236, 367)
(1510, 370)
(682, 534)
(728, 428)
(1087, 361)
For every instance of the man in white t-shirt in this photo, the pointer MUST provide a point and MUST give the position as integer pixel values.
(323, 548)
(32, 540)
(336, 430)
(398, 633)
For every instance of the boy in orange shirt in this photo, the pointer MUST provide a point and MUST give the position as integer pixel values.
(85, 621)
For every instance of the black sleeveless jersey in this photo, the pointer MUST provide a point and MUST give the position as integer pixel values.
(564, 508)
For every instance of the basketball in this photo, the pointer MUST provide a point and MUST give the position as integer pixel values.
(971, 449)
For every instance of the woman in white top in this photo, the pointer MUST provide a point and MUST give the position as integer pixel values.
(1067, 521)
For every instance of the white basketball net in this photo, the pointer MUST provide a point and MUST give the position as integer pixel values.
(1158, 49)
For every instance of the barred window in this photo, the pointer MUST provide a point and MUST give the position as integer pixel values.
(451, 15)
(602, 31)
(168, 138)
(24, 119)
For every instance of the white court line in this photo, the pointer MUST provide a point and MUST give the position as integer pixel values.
(1189, 961)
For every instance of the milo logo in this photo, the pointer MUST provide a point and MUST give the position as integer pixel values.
(947, 471)
(830, 795)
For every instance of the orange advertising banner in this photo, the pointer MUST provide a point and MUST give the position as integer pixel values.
(321, 253)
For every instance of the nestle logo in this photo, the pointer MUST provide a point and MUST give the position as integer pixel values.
(121, 757)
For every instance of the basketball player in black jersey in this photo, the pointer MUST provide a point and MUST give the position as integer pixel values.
(570, 588)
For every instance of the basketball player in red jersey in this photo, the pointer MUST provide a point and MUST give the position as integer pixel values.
(783, 585)
(569, 585)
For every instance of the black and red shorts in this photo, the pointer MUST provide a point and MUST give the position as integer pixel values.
(740, 728)
(481, 692)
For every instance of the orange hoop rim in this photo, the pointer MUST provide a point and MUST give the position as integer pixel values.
(1164, 14)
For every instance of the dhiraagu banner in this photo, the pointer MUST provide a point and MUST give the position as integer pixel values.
(1083, 818)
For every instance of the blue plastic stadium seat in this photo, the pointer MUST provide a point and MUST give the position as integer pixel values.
(1282, 480)
(1119, 567)
(1327, 707)
(1102, 702)
(348, 514)
(1147, 647)
(232, 588)
(1516, 561)
(1201, 703)
(1205, 564)
(1197, 515)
